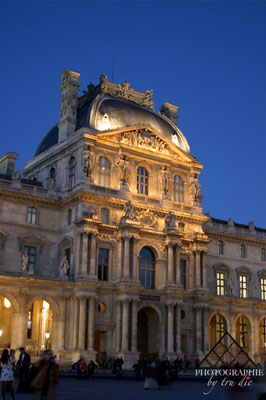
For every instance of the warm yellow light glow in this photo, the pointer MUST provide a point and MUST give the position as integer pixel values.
(47, 335)
(7, 303)
(45, 305)
(1, 332)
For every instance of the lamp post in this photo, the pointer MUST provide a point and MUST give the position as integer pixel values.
(47, 336)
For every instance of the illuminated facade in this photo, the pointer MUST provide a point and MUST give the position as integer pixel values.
(104, 247)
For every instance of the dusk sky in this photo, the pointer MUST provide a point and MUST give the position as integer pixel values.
(207, 57)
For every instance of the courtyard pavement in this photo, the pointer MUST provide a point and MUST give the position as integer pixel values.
(111, 389)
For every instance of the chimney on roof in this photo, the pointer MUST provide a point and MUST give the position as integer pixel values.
(69, 104)
(7, 163)
(169, 111)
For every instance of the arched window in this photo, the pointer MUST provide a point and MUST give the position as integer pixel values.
(52, 173)
(147, 268)
(263, 333)
(178, 189)
(71, 172)
(103, 171)
(243, 332)
(142, 180)
(217, 329)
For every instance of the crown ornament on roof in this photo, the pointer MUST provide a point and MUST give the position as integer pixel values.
(121, 91)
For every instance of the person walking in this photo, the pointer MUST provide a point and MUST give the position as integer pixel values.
(7, 375)
(46, 378)
(23, 370)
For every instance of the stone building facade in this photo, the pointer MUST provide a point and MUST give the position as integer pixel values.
(104, 248)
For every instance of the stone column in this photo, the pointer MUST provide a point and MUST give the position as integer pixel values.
(22, 321)
(135, 260)
(125, 303)
(178, 272)
(117, 326)
(93, 255)
(170, 332)
(170, 264)
(91, 324)
(84, 265)
(190, 271)
(197, 269)
(69, 322)
(134, 326)
(61, 323)
(198, 330)
(75, 323)
(126, 258)
(205, 330)
(204, 270)
(119, 260)
(14, 330)
(82, 321)
(178, 328)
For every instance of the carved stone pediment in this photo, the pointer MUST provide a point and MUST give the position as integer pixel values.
(144, 137)
(147, 218)
(30, 239)
(66, 242)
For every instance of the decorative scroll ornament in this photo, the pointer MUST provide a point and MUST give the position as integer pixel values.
(147, 218)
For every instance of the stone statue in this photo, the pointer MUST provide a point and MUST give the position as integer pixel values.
(51, 183)
(164, 179)
(129, 211)
(25, 261)
(64, 267)
(16, 176)
(89, 159)
(170, 221)
(195, 187)
(230, 286)
(124, 165)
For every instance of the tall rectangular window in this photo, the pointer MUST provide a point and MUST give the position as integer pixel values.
(263, 255)
(183, 273)
(103, 261)
(105, 215)
(263, 288)
(32, 215)
(220, 284)
(243, 285)
(32, 258)
(220, 247)
(242, 251)
(69, 217)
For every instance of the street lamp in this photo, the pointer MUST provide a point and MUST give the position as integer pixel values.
(47, 336)
(1, 332)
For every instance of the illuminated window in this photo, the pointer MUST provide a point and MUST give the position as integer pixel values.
(32, 258)
(220, 283)
(142, 180)
(178, 189)
(29, 323)
(147, 268)
(103, 261)
(243, 285)
(103, 171)
(263, 333)
(71, 172)
(242, 251)
(219, 326)
(263, 255)
(183, 273)
(7, 303)
(105, 215)
(220, 247)
(263, 288)
(32, 215)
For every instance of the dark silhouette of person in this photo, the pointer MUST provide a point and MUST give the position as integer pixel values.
(23, 370)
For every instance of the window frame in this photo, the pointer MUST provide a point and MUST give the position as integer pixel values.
(103, 174)
(262, 331)
(263, 288)
(243, 251)
(220, 245)
(220, 326)
(263, 254)
(103, 267)
(26, 248)
(220, 283)
(32, 216)
(142, 180)
(147, 271)
(71, 172)
(178, 189)
(243, 286)
(183, 275)
(105, 215)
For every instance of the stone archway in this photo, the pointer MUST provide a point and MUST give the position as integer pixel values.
(148, 332)
(39, 326)
(5, 322)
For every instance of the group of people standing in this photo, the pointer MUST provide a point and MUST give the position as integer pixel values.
(39, 378)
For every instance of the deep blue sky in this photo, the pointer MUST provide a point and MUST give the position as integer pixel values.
(207, 57)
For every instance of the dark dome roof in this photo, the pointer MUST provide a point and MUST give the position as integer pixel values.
(105, 113)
